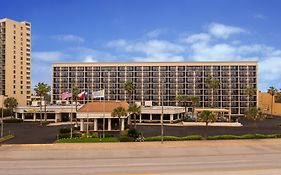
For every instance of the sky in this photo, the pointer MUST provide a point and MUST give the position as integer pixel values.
(152, 30)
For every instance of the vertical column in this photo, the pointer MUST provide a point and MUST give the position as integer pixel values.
(23, 116)
(109, 124)
(171, 118)
(95, 124)
(122, 124)
(16, 115)
(150, 117)
(45, 116)
(57, 117)
(34, 116)
(82, 125)
(140, 119)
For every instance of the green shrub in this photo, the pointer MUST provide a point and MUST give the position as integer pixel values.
(126, 139)
(65, 130)
(13, 120)
(93, 135)
(108, 135)
(133, 133)
(223, 137)
(64, 135)
(87, 140)
(247, 136)
(192, 137)
(76, 135)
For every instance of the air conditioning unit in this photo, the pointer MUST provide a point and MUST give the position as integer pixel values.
(148, 103)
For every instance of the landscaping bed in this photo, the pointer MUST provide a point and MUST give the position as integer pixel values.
(7, 137)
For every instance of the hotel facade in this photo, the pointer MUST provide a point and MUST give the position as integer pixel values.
(151, 79)
(15, 60)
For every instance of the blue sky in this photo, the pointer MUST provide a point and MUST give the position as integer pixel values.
(152, 30)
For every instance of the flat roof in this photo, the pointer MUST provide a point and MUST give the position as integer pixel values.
(195, 63)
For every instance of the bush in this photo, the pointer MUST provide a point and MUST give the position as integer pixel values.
(6, 112)
(108, 135)
(223, 137)
(126, 139)
(65, 130)
(64, 135)
(174, 138)
(13, 120)
(192, 137)
(76, 135)
(133, 133)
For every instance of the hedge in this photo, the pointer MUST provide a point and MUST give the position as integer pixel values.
(13, 120)
(87, 140)
(246, 136)
(174, 138)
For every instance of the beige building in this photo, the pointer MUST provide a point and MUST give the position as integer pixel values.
(15, 60)
(265, 100)
(151, 79)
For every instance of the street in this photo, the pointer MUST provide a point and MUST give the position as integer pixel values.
(190, 157)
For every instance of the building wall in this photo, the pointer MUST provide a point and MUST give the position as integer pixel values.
(150, 78)
(15, 58)
(265, 104)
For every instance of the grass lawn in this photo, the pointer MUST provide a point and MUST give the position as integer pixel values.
(87, 140)
(6, 138)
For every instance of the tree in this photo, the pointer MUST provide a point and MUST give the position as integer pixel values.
(135, 110)
(194, 101)
(41, 90)
(11, 103)
(250, 91)
(47, 100)
(254, 114)
(129, 88)
(278, 97)
(213, 84)
(272, 91)
(207, 117)
(184, 99)
(119, 112)
(75, 92)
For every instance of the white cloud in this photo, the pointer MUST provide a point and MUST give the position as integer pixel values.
(200, 37)
(154, 33)
(89, 58)
(69, 38)
(223, 31)
(49, 56)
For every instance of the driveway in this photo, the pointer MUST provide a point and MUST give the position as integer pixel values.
(267, 126)
(30, 133)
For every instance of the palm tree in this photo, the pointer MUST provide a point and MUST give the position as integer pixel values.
(254, 114)
(135, 110)
(129, 88)
(194, 101)
(119, 112)
(75, 92)
(11, 103)
(272, 91)
(47, 100)
(278, 97)
(213, 84)
(250, 91)
(207, 117)
(184, 99)
(41, 90)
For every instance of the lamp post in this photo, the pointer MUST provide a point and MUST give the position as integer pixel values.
(2, 116)
(162, 111)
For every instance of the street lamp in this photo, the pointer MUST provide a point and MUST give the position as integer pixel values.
(2, 116)
(162, 111)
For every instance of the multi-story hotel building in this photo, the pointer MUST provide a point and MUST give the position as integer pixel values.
(173, 78)
(15, 60)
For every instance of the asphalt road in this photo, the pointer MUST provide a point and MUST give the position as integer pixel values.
(253, 157)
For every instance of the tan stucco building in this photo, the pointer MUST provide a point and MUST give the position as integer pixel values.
(265, 100)
(15, 60)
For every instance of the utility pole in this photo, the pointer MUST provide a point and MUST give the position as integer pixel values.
(162, 112)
